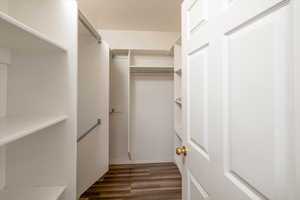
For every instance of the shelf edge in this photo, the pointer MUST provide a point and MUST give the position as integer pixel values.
(22, 134)
(30, 30)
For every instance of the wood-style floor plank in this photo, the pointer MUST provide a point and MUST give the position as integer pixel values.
(159, 181)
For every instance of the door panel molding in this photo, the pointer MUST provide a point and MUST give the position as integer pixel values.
(268, 142)
(195, 189)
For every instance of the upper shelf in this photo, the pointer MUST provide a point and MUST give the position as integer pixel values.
(34, 193)
(13, 128)
(150, 67)
(160, 69)
(17, 35)
(157, 52)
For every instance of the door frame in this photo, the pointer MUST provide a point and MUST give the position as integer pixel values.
(184, 95)
(296, 108)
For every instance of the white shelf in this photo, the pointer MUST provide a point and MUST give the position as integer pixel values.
(162, 52)
(15, 34)
(161, 69)
(13, 128)
(34, 193)
(150, 67)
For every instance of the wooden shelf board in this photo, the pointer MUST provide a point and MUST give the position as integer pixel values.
(33, 193)
(17, 35)
(13, 128)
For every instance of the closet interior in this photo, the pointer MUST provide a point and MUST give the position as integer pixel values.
(145, 97)
(38, 99)
(61, 124)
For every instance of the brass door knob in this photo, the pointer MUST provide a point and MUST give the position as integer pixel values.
(181, 150)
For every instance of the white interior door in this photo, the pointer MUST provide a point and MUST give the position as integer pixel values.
(238, 78)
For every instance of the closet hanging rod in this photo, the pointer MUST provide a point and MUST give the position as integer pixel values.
(89, 26)
(89, 131)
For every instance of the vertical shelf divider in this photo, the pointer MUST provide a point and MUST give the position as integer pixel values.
(130, 54)
(178, 101)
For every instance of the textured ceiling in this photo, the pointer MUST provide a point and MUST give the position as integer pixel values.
(139, 15)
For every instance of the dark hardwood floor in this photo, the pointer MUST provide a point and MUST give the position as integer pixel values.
(137, 182)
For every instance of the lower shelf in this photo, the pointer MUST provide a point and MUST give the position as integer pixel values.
(13, 128)
(34, 193)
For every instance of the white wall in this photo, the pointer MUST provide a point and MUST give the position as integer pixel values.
(139, 39)
(152, 117)
(5, 60)
(93, 103)
(4, 5)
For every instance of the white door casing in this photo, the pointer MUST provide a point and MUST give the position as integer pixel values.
(238, 103)
(296, 62)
